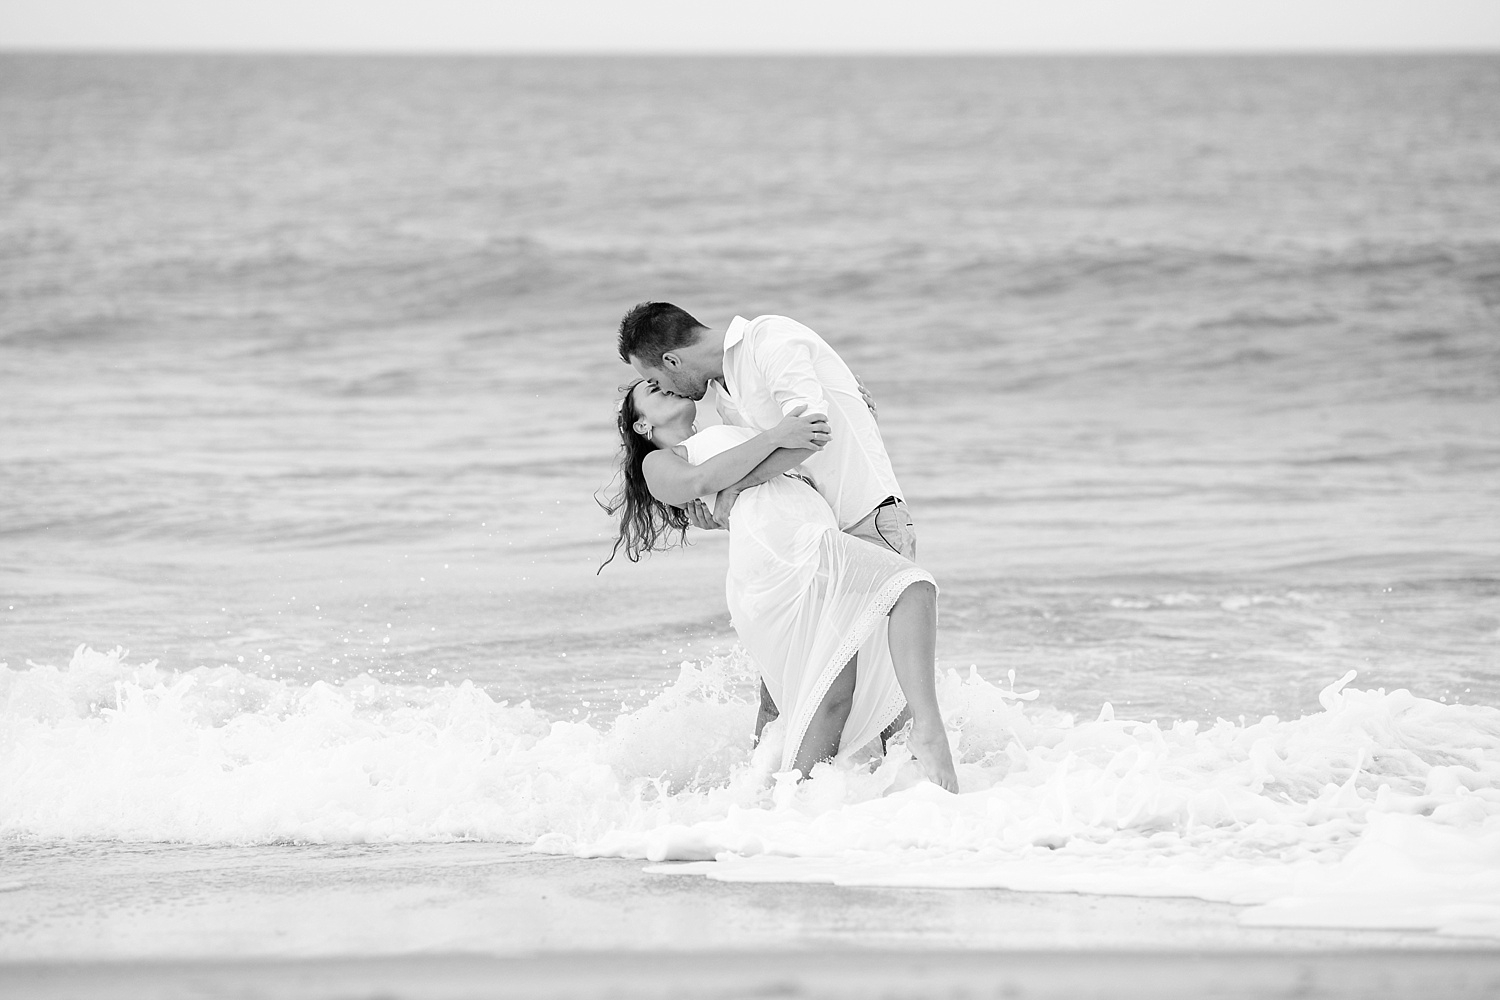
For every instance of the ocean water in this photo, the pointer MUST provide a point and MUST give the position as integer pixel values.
(1190, 369)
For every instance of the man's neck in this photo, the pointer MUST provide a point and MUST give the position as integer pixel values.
(711, 345)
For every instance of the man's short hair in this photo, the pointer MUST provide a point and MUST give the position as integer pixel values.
(652, 329)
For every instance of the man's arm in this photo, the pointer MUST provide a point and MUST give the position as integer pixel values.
(779, 461)
(786, 363)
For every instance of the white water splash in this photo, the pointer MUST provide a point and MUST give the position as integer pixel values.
(1382, 809)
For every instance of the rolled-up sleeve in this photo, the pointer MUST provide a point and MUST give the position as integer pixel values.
(786, 363)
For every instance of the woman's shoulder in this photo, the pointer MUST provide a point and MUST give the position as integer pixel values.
(715, 433)
(711, 440)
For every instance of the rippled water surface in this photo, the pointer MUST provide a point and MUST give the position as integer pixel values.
(1189, 367)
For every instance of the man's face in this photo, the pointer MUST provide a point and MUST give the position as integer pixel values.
(672, 375)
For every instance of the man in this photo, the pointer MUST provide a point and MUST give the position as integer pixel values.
(760, 370)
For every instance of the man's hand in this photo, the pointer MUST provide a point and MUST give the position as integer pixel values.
(865, 393)
(723, 506)
(699, 516)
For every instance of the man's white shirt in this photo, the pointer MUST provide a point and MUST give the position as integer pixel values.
(772, 365)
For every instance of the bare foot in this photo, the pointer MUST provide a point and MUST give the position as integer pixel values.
(930, 747)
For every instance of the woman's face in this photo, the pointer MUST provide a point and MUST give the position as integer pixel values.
(657, 407)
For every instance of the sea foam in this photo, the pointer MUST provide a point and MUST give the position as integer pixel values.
(1382, 809)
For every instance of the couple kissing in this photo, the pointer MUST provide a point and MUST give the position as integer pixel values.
(822, 587)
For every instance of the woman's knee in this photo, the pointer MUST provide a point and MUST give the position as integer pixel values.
(922, 593)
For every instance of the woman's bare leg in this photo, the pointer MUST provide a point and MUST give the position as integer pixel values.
(826, 727)
(913, 641)
(768, 713)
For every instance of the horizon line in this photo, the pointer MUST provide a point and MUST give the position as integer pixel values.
(716, 53)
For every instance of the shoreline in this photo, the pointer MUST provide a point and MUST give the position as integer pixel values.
(172, 903)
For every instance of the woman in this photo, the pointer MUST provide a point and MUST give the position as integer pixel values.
(804, 596)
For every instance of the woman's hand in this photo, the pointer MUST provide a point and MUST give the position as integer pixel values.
(801, 430)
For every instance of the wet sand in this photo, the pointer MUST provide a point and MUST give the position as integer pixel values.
(838, 974)
(472, 920)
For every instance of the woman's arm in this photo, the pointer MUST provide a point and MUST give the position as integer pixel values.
(676, 481)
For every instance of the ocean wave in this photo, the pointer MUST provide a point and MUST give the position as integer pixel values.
(1382, 809)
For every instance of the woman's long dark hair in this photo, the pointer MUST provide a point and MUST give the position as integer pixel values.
(646, 524)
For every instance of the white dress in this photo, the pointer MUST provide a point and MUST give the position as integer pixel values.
(805, 597)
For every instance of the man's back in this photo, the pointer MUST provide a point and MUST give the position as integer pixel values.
(773, 364)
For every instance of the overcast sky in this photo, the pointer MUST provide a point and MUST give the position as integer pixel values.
(752, 25)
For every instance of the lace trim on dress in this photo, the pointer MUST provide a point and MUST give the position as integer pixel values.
(885, 599)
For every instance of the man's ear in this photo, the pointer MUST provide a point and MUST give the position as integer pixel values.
(671, 361)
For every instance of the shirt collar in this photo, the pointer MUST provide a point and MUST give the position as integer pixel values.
(735, 333)
(732, 338)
